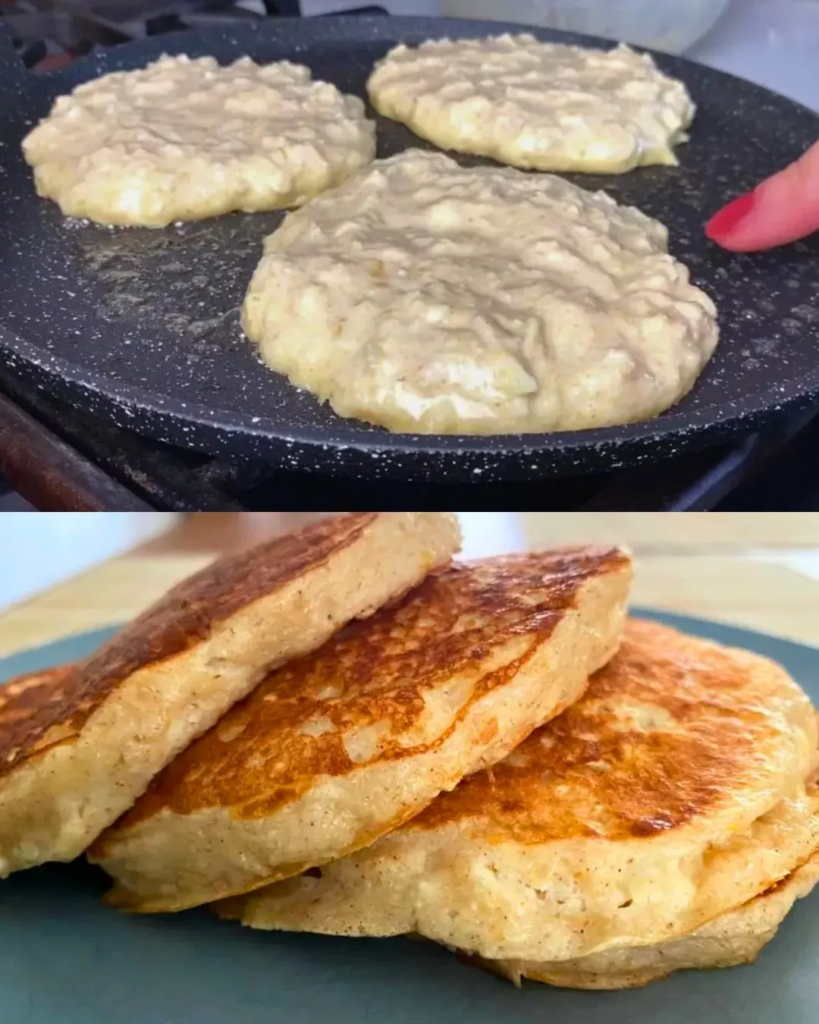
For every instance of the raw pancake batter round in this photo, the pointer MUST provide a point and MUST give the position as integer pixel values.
(540, 106)
(442, 299)
(185, 139)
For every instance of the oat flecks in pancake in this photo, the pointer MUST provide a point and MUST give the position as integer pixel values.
(673, 791)
(332, 751)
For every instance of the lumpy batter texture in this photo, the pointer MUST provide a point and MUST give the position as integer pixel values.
(540, 106)
(184, 139)
(431, 298)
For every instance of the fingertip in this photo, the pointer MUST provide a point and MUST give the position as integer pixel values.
(725, 222)
(780, 210)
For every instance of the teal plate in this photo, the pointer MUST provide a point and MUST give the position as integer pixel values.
(67, 959)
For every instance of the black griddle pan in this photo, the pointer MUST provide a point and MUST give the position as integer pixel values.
(141, 327)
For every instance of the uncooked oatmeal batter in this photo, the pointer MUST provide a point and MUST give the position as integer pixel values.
(541, 106)
(185, 139)
(431, 298)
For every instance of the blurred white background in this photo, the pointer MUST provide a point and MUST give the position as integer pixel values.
(38, 550)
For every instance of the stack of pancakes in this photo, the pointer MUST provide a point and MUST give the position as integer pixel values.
(342, 731)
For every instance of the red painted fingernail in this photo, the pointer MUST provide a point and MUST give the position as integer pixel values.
(722, 224)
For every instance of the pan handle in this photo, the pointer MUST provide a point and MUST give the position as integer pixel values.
(12, 70)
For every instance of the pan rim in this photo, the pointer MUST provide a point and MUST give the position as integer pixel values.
(303, 449)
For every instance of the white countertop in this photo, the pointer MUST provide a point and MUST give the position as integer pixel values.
(772, 42)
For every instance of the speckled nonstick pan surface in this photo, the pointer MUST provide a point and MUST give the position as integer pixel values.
(142, 326)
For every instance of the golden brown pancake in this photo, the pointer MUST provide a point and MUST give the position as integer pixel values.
(332, 751)
(672, 792)
(70, 765)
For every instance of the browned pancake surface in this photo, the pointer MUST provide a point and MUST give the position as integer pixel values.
(184, 617)
(663, 732)
(297, 725)
(24, 698)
